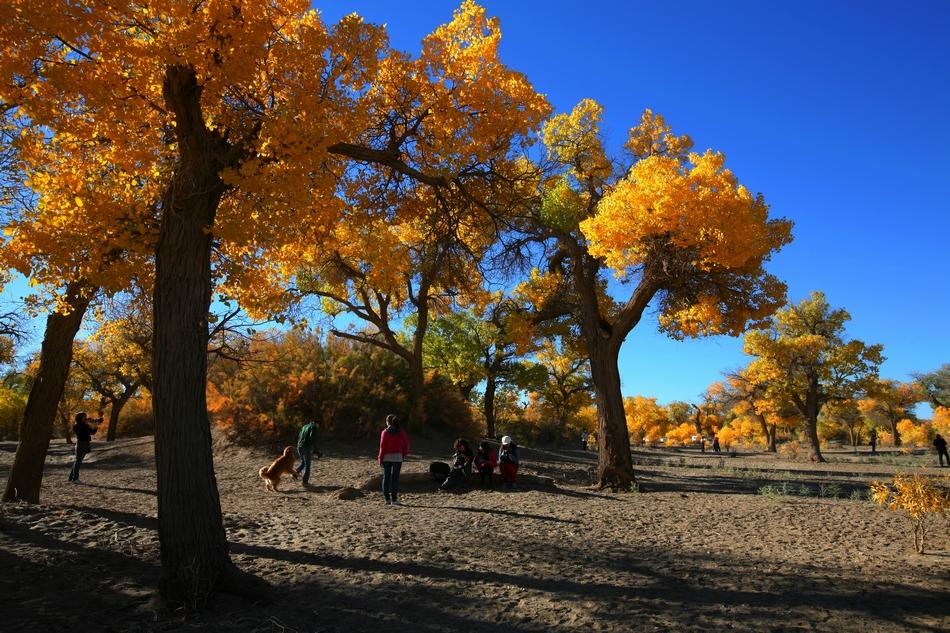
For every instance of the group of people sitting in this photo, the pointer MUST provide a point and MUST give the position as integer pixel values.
(484, 460)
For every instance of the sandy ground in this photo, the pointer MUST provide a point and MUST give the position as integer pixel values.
(699, 548)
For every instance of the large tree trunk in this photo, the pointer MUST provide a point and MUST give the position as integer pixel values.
(417, 394)
(614, 463)
(767, 432)
(36, 429)
(489, 406)
(812, 409)
(194, 547)
(897, 436)
(116, 408)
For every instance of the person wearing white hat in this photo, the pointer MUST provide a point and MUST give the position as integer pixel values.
(508, 461)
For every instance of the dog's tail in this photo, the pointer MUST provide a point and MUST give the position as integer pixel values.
(260, 473)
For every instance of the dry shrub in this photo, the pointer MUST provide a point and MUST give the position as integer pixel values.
(918, 497)
(792, 450)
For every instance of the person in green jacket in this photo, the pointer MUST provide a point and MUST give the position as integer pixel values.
(305, 446)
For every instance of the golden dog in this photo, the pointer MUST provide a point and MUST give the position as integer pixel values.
(283, 465)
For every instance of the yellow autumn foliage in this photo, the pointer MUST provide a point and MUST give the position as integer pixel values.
(918, 497)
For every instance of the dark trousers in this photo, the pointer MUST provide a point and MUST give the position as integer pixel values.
(941, 454)
(486, 475)
(456, 478)
(306, 456)
(82, 449)
(391, 480)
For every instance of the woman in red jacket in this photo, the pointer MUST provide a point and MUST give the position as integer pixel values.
(393, 448)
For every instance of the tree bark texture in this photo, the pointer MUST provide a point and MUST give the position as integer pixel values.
(36, 428)
(812, 409)
(417, 393)
(194, 548)
(614, 463)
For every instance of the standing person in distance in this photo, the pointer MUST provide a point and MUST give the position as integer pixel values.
(941, 445)
(84, 433)
(305, 446)
(393, 449)
(872, 440)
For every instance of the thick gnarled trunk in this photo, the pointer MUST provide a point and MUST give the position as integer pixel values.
(194, 548)
(614, 464)
(489, 406)
(812, 409)
(36, 428)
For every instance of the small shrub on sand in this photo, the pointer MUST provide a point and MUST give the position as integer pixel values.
(829, 490)
(791, 450)
(919, 497)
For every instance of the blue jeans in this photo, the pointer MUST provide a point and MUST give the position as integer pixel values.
(391, 480)
(306, 455)
(82, 449)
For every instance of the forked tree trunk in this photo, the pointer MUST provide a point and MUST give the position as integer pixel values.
(194, 547)
(36, 428)
(614, 463)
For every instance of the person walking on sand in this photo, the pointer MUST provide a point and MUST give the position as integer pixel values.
(941, 445)
(84, 433)
(872, 440)
(306, 441)
(508, 461)
(584, 437)
(393, 449)
(485, 463)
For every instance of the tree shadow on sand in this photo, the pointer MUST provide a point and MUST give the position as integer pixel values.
(645, 589)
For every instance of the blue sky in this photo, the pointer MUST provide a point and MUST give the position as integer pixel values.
(838, 112)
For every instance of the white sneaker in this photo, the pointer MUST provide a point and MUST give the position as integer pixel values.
(397, 503)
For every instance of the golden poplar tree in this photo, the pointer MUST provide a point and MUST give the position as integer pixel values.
(676, 227)
(236, 122)
(810, 361)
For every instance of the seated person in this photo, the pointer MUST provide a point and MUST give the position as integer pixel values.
(461, 465)
(508, 461)
(485, 463)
